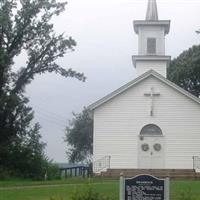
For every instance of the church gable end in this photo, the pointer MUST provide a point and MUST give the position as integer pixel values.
(149, 123)
(137, 81)
(119, 121)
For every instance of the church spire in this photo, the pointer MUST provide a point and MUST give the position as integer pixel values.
(151, 42)
(152, 12)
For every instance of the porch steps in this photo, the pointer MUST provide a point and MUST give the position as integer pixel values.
(161, 173)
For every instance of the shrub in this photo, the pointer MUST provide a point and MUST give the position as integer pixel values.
(89, 194)
(53, 172)
(4, 174)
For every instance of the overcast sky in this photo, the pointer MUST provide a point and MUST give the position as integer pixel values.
(106, 41)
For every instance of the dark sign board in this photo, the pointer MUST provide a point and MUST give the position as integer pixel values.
(144, 187)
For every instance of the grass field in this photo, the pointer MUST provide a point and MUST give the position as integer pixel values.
(62, 190)
(17, 182)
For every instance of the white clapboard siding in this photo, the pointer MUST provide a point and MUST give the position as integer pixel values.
(117, 124)
(158, 66)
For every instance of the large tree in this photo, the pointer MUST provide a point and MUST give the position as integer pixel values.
(185, 70)
(79, 137)
(26, 27)
(21, 150)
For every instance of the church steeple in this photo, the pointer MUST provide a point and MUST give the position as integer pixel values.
(151, 42)
(152, 12)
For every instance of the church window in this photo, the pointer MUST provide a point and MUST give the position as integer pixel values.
(151, 130)
(151, 45)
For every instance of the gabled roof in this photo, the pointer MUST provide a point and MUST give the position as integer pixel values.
(136, 81)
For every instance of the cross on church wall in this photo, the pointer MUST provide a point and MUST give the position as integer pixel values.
(152, 95)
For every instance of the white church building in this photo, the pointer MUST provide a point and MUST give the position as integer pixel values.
(149, 123)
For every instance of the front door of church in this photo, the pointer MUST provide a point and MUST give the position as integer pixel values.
(151, 152)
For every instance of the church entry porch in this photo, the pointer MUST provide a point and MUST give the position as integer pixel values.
(151, 148)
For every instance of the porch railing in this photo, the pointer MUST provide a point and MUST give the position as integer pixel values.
(101, 164)
(196, 163)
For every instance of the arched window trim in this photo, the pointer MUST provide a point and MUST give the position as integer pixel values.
(160, 133)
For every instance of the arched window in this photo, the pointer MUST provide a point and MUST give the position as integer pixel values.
(151, 130)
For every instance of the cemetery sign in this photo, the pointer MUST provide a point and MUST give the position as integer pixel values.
(144, 187)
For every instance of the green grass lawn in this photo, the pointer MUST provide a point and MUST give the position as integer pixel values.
(18, 182)
(185, 190)
(190, 189)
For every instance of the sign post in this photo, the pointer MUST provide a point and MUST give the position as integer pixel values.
(167, 190)
(144, 187)
(121, 187)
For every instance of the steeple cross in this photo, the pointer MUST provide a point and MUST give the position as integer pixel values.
(152, 94)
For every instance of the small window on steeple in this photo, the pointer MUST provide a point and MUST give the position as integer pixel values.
(151, 45)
